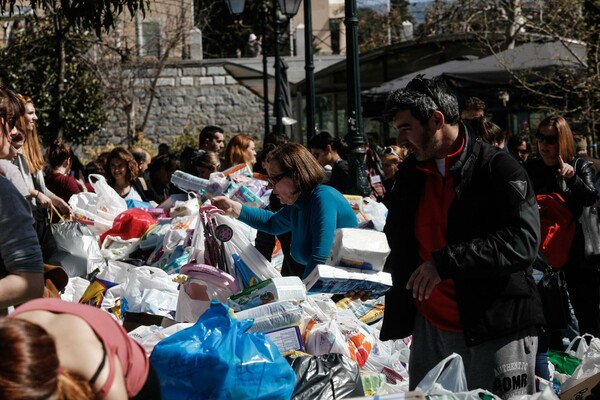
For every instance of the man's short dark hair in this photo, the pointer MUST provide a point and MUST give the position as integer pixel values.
(422, 97)
(139, 155)
(474, 104)
(208, 133)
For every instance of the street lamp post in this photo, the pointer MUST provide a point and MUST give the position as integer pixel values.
(358, 183)
(278, 94)
(311, 127)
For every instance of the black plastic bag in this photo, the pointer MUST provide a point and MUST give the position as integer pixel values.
(554, 295)
(325, 377)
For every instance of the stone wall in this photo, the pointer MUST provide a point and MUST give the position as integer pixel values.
(190, 94)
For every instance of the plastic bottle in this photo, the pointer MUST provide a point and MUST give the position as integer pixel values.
(188, 182)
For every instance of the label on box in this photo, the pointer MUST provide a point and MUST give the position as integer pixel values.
(287, 339)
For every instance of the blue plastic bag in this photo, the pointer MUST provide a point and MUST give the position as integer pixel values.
(216, 359)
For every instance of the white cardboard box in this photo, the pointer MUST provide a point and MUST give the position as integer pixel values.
(339, 280)
(359, 248)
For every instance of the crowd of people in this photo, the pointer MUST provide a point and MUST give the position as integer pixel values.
(463, 226)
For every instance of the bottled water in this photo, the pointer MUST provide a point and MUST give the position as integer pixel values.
(188, 182)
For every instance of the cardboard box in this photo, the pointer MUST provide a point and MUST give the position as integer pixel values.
(581, 390)
(339, 280)
(359, 248)
(287, 339)
(285, 288)
(133, 320)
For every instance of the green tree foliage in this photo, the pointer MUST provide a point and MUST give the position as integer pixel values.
(377, 29)
(29, 66)
(572, 92)
(85, 15)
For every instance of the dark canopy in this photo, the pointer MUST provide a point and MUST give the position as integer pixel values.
(530, 60)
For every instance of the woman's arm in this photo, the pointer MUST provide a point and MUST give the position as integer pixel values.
(581, 185)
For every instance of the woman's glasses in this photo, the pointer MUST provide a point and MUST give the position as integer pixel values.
(546, 138)
(274, 180)
(11, 120)
(390, 151)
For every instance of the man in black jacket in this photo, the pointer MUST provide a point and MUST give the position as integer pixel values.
(464, 229)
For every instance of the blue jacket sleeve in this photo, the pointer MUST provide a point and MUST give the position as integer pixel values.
(267, 221)
(323, 222)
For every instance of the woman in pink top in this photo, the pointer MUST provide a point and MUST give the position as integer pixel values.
(55, 349)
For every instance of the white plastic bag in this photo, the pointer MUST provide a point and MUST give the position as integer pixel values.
(141, 278)
(590, 365)
(375, 212)
(115, 271)
(77, 249)
(204, 284)
(579, 346)
(447, 376)
(254, 267)
(447, 381)
(97, 210)
(325, 338)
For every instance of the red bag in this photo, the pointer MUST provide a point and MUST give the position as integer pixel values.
(558, 228)
(132, 223)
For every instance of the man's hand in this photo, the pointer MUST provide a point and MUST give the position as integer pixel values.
(423, 280)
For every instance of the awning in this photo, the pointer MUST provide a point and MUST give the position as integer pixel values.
(532, 60)
(252, 79)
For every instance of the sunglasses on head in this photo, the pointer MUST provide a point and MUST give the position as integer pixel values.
(418, 84)
(390, 151)
(546, 138)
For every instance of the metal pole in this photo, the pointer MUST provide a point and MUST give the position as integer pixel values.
(358, 183)
(309, 67)
(263, 7)
(278, 95)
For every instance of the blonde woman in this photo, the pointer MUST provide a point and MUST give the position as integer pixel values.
(30, 162)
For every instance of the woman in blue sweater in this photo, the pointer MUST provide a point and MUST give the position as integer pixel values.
(311, 212)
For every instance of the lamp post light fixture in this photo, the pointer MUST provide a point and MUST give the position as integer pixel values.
(289, 7)
(236, 7)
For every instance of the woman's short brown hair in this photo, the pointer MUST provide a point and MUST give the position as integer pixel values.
(295, 160)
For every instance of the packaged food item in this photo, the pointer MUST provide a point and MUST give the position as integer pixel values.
(339, 280)
(359, 248)
(268, 291)
(272, 316)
